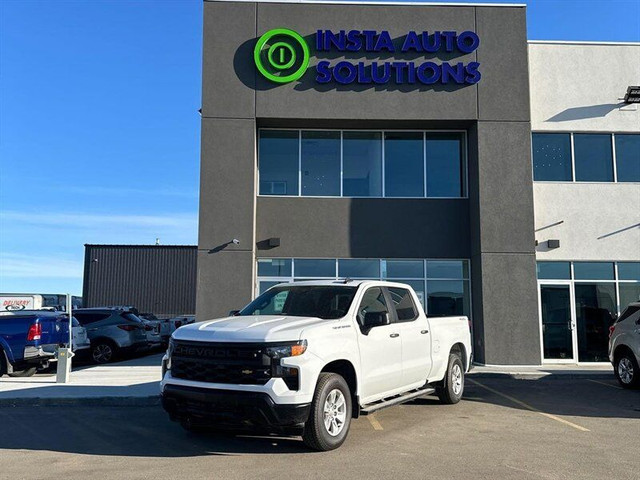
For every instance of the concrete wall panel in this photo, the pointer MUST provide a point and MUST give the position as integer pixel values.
(580, 87)
(306, 99)
(364, 228)
(593, 221)
(224, 283)
(229, 30)
(503, 92)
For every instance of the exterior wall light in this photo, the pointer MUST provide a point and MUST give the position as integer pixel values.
(632, 95)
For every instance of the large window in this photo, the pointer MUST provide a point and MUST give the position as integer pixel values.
(362, 167)
(586, 157)
(404, 164)
(443, 286)
(622, 278)
(552, 157)
(628, 158)
(279, 152)
(601, 291)
(334, 163)
(593, 157)
(320, 165)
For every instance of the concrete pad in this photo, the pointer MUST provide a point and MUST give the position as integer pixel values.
(136, 378)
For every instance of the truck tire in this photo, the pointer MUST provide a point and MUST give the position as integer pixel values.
(452, 388)
(626, 369)
(330, 416)
(103, 352)
(28, 372)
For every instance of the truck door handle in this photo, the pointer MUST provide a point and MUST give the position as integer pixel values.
(394, 335)
(424, 331)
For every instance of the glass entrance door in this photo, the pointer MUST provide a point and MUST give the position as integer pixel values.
(595, 312)
(558, 322)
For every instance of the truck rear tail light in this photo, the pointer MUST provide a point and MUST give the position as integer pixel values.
(128, 328)
(35, 332)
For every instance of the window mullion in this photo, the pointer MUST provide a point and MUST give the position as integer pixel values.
(573, 161)
(299, 163)
(613, 157)
(341, 163)
(383, 164)
(424, 162)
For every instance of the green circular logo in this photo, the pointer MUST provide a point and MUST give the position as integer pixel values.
(281, 55)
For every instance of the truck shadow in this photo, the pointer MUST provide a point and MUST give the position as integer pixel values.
(125, 432)
(598, 397)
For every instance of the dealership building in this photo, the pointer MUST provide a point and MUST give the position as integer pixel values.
(426, 143)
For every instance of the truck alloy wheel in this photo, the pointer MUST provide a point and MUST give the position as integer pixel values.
(335, 412)
(330, 415)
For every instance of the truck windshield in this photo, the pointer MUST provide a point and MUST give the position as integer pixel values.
(320, 301)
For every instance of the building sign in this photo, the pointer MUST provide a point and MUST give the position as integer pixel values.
(282, 56)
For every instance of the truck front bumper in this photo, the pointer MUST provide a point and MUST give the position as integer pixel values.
(233, 410)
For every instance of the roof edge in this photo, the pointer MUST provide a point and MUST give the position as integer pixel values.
(134, 245)
(417, 3)
(581, 42)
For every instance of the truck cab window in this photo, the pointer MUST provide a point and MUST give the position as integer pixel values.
(372, 301)
(403, 303)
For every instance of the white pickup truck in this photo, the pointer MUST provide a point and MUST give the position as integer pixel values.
(305, 358)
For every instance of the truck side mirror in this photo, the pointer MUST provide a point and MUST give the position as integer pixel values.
(233, 313)
(375, 319)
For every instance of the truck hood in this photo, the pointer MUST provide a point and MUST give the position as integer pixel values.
(250, 328)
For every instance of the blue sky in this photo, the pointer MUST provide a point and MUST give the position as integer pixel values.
(99, 124)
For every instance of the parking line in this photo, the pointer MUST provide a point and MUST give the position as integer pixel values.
(605, 384)
(529, 407)
(374, 423)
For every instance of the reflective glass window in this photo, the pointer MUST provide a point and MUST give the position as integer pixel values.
(278, 162)
(362, 164)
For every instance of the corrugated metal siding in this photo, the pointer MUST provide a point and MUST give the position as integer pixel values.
(159, 279)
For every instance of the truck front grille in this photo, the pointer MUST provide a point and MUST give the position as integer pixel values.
(220, 363)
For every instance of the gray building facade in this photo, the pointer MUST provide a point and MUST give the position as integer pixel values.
(486, 226)
(158, 279)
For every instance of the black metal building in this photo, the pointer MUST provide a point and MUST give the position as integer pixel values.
(153, 278)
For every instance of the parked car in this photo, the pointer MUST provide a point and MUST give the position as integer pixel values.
(161, 330)
(113, 332)
(624, 346)
(79, 338)
(304, 358)
(29, 339)
(177, 322)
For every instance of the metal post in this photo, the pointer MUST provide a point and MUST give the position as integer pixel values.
(65, 354)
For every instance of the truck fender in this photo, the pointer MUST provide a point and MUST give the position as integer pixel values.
(346, 370)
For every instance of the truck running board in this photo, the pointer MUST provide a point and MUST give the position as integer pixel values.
(397, 400)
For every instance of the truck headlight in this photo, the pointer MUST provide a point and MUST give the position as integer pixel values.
(289, 349)
(290, 375)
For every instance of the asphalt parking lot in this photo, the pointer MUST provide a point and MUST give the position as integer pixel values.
(505, 428)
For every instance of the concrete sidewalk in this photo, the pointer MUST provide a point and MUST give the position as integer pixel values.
(132, 382)
(559, 372)
(136, 382)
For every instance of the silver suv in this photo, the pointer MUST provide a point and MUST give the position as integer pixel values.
(112, 332)
(624, 346)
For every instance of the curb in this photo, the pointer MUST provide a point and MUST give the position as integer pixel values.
(151, 401)
(553, 376)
